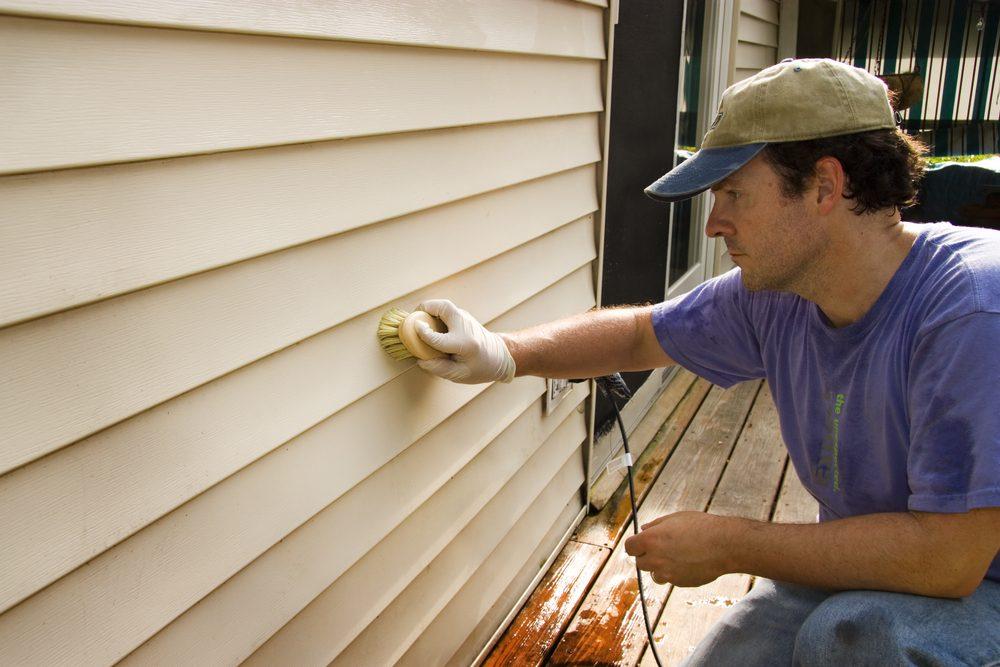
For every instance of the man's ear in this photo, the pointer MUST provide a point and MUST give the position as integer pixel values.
(830, 183)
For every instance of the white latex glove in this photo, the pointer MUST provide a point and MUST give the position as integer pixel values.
(476, 354)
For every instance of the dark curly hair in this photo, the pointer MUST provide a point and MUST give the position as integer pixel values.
(883, 167)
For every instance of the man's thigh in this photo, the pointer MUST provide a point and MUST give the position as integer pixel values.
(881, 628)
(760, 629)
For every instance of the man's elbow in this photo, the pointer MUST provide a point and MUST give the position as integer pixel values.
(955, 577)
(957, 550)
(966, 584)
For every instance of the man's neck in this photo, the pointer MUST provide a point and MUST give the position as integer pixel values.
(861, 259)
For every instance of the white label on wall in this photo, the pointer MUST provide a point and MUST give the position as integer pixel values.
(556, 391)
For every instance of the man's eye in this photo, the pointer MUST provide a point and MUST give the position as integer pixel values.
(733, 194)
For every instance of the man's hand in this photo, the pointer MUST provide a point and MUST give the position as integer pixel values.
(684, 549)
(476, 354)
(933, 554)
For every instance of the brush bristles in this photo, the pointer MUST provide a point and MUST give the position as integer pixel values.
(388, 334)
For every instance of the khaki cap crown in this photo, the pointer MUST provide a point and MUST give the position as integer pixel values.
(797, 100)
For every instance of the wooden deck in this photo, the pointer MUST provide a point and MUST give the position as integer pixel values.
(718, 450)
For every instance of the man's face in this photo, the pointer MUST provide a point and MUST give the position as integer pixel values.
(773, 240)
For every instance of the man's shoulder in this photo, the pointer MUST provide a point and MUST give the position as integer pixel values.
(960, 272)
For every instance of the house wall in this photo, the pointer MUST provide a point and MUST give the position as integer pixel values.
(755, 38)
(207, 208)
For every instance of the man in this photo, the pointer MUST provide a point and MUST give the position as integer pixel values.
(880, 341)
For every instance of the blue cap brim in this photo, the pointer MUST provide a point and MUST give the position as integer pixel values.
(701, 171)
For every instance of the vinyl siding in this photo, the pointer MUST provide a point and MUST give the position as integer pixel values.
(756, 37)
(207, 210)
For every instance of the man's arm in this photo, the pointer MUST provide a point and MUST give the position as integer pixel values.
(938, 555)
(590, 344)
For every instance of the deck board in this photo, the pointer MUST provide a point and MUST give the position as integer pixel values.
(608, 628)
(794, 505)
(542, 620)
(748, 489)
(644, 434)
(719, 450)
(550, 608)
(606, 527)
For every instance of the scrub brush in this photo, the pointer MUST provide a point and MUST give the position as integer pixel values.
(397, 334)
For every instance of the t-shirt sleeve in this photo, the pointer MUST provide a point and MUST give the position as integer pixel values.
(709, 331)
(954, 408)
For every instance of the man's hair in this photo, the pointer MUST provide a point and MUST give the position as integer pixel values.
(883, 167)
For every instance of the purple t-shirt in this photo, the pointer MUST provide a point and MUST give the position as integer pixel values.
(897, 411)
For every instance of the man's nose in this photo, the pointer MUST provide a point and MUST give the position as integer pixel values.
(717, 224)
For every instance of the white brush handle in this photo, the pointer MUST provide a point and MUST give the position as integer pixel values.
(413, 342)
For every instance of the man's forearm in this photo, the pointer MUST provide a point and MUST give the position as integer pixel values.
(586, 345)
(894, 552)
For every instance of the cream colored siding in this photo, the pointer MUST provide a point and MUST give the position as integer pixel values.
(161, 220)
(205, 325)
(549, 27)
(207, 207)
(756, 37)
(115, 93)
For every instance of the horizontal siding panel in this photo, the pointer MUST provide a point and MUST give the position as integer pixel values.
(462, 615)
(547, 27)
(463, 463)
(741, 74)
(509, 602)
(237, 617)
(757, 31)
(76, 94)
(75, 236)
(113, 603)
(767, 10)
(754, 56)
(521, 523)
(135, 351)
(115, 481)
(376, 601)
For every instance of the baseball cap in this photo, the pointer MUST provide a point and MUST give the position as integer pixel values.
(795, 100)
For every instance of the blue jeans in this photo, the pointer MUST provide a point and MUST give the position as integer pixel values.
(783, 624)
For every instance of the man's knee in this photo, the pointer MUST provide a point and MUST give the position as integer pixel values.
(860, 625)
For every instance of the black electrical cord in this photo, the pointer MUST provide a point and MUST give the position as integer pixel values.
(612, 386)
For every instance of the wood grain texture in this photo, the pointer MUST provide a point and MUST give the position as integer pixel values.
(747, 489)
(125, 477)
(795, 504)
(73, 373)
(606, 527)
(547, 613)
(457, 634)
(548, 27)
(76, 94)
(375, 615)
(656, 414)
(72, 237)
(608, 628)
(415, 505)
